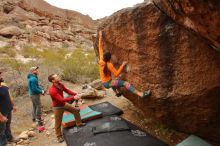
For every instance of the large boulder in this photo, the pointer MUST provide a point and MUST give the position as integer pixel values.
(176, 62)
(202, 17)
(7, 8)
(10, 31)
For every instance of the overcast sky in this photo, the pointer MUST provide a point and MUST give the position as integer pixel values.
(94, 8)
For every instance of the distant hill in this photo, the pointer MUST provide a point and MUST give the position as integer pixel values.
(35, 22)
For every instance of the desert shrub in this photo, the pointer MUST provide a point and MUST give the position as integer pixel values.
(8, 51)
(53, 57)
(80, 67)
(15, 76)
(65, 45)
(31, 52)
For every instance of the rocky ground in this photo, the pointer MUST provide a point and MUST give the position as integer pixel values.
(22, 120)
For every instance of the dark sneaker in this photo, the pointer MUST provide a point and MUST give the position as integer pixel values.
(146, 94)
(118, 94)
(60, 140)
(40, 123)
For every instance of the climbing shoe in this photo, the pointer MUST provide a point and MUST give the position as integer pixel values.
(118, 94)
(146, 94)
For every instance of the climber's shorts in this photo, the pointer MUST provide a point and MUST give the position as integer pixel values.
(113, 83)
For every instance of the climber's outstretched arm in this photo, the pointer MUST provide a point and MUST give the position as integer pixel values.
(101, 50)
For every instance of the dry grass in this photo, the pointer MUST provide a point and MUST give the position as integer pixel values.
(7, 50)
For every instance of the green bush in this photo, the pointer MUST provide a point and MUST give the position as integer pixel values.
(53, 57)
(8, 50)
(31, 52)
(15, 76)
(80, 67)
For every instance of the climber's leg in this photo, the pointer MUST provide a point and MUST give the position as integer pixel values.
(129, 87)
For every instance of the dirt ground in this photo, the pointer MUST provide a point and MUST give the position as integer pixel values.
(22, 119)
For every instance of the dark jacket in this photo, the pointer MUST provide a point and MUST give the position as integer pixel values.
(5, 101)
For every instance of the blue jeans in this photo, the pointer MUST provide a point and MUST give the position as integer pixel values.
(5, 131)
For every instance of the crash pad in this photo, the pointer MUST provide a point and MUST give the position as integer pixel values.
(134, 136)
(114, 123)
(106, 108)
(193, 140)
(86, 114)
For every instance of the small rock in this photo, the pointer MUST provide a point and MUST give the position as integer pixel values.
(10, 31)
(31, 133)
(26, 142)
(31, 129)
(48, 133)
(34, 125)
(101, 94)
(23, 135)
(97, 84)
(20, 142)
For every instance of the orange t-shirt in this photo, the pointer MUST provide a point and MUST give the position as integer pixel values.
(110, 66)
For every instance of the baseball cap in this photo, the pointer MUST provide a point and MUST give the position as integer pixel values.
(33, 68)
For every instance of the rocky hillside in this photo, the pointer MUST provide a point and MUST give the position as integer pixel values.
(35, 22)
(172, 48)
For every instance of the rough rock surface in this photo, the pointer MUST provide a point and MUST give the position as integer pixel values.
(10, 31)
(203, 17)
(173, 59)
(44, 25)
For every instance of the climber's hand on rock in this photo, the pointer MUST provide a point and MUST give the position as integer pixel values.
(124, 63)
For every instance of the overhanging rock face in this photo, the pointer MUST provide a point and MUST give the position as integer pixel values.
(176, 62)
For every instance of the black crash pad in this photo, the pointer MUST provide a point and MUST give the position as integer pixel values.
(114, 123)
(84, 136)
(106, 108)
